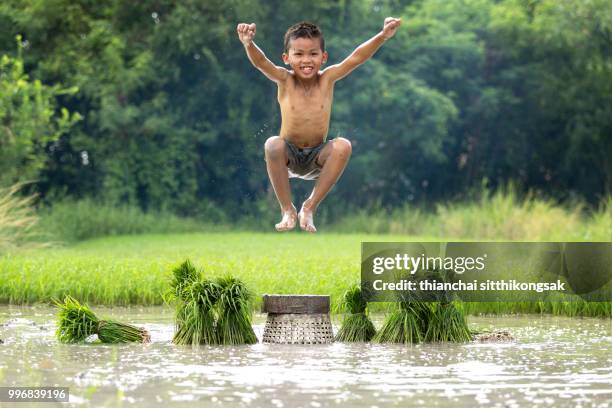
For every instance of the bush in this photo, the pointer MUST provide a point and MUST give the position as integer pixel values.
(28, 120)
(501, 215)
(79, 220)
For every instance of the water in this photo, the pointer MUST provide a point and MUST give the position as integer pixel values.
(555, 361)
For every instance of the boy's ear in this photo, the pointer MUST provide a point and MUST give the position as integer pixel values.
(285, 58)
(325, 56)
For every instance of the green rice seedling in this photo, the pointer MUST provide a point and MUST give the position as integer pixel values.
(356, 325)
(196, 317)
(76, 322)
(405, 324)
(234, 322)
(182, 276)
(447, 323)
(110, 331)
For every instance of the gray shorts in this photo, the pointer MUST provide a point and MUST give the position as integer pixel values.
(302, 162)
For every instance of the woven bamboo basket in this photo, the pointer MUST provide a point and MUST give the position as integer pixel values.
(297, 319)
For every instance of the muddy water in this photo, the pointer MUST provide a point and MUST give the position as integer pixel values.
(553, 362)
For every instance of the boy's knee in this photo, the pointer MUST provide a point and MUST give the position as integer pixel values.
(343, 146)
(274, 147)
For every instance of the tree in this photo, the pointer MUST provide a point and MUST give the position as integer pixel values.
(28, 121)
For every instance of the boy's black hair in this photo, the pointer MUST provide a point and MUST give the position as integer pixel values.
(304, 29)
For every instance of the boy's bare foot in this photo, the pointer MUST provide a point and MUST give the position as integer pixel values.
(288, 221)
(306, 221)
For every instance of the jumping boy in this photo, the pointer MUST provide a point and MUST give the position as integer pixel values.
(305, 97)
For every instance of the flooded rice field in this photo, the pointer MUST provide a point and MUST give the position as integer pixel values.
(554, 361)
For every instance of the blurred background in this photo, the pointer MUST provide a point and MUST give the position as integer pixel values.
(481, 118)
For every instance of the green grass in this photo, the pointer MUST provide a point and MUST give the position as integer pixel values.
(500, 215)
(137, 269)
(72, 221)
(17, 218)
(131, 270)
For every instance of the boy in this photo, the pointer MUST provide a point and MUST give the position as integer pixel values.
(305, 97)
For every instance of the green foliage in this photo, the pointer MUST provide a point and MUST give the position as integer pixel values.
(72, 221)
(500, 214)
(28, 121)
(503, 214)
(175, 117)
(600, 226)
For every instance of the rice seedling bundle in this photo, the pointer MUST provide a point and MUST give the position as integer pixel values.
(192, 314)
(234, 323)
(406, 324)
(196, 315)
(413, 322)
(182, 277)
(76, 322)
(210, 312)
(447, 323)
(110, 331)
(356, 325)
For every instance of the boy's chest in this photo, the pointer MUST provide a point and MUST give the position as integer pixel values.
(294, 99)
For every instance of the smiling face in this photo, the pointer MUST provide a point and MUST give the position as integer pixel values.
(305, 56)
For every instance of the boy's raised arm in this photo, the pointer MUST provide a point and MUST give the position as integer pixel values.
(364, 51)
(246, 33)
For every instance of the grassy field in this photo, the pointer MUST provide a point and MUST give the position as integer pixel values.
(499, 215)
(135, 270)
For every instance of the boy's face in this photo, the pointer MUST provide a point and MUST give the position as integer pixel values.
(305, 56)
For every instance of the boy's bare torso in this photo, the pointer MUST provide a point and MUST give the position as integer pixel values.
(305, 110)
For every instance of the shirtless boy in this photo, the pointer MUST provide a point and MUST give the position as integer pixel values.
(305, 97)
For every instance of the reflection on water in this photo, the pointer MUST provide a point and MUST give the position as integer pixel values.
(554, 362)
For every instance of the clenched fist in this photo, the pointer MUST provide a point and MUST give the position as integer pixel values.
(246, 32)
(390, 26)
